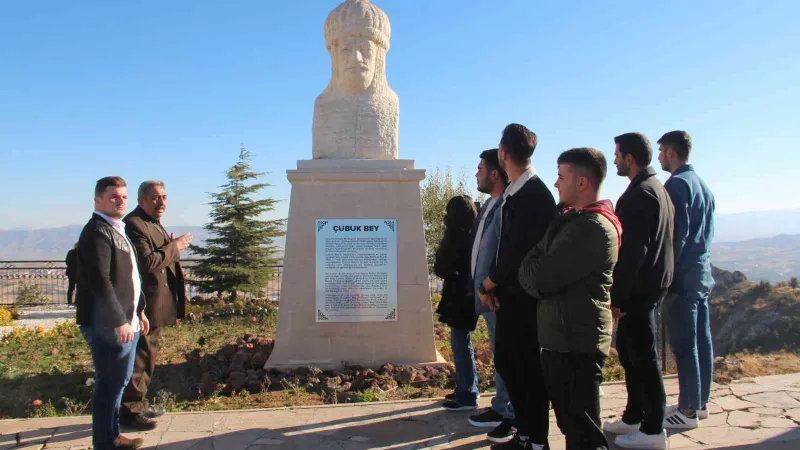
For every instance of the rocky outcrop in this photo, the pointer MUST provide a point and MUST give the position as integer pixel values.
(753, 316)
(725, 278)
(238, 366)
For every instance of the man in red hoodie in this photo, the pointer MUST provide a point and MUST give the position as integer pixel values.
(570, 273)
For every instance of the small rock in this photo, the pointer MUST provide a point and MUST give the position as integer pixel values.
(228, 350)
(258, 360)
(406, 376)
(237, 380)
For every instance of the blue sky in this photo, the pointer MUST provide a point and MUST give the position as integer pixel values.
(169, 90)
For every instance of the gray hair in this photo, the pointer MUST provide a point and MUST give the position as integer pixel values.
(144, 188)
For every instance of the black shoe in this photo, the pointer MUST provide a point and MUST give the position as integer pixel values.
(487, 419)
(139, 422)
(502, 433)
(154, 411)
(451, 397)
(513, 444)
(455, 406)
(518, 444)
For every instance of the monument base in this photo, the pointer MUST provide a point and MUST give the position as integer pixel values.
(354, 189)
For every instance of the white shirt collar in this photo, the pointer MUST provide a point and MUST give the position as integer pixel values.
(517, 184)
(116, 223)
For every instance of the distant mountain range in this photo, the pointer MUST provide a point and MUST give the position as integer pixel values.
(754, 225)
(762, 245)
(773, 259)
(53, 243)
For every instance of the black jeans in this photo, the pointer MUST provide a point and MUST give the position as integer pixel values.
(573, 385)
(518, 361)
(70, 291)
(636, 344)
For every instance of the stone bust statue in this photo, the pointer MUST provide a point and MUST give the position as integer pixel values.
(357, 115)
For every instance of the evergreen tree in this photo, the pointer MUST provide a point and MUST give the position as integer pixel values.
(240, 255)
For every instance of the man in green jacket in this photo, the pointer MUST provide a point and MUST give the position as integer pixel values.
(570, 273)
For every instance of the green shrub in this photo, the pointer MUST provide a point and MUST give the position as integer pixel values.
(30, 294)
(6, 317)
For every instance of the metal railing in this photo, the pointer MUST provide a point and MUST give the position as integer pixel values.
(30, 283)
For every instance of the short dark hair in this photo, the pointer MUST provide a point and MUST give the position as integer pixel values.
(105, 182)
(519, 142)
(493, 163)
(679, 141)
(636, 145)
(590, 161)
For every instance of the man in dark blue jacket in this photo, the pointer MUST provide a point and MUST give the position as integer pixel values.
(641, 278)
(686, 306)
(528, 208)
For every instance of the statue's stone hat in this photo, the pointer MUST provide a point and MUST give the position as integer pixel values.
(358, 18)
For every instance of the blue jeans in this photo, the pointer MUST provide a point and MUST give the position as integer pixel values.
(113, 363)
(689, 334)
(467, 374)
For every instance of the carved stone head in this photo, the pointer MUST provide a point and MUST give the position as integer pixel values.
(357, 36)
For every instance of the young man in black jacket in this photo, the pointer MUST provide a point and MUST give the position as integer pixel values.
(641, 278)
(528, 208)
(110, 309)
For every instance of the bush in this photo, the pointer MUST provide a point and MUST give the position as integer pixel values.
(6, 317)
(761, 289)
(204, 308)
(30, 294)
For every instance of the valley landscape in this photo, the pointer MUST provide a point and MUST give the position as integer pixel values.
(762, 245)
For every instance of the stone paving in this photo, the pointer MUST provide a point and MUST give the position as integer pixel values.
(760, 413)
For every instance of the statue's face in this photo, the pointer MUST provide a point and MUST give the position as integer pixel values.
(356, 58)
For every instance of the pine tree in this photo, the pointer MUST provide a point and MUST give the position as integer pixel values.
(240, 255)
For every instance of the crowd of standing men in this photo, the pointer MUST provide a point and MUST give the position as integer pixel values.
(130, 285)
(549, 279)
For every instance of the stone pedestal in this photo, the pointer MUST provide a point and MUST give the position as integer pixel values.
(354, 189)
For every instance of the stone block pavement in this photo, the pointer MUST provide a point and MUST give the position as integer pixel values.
(759, 413)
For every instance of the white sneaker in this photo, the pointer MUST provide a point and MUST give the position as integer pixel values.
(702, 414)
(639, 440)
(677, 420)
(601, 392)
(617, 426)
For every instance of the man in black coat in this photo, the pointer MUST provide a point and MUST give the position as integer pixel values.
(72, 272)
(528, 208)
(164, 289)
(641, 278)
(110, 308)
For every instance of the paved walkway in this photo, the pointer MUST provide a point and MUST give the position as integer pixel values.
(45, 316)
(761, 413)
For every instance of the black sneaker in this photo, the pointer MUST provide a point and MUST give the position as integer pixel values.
(487, 419)
(455, 406)
(518, 444)
(503, 432)
(451, 397)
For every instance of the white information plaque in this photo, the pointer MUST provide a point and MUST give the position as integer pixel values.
(356, 270)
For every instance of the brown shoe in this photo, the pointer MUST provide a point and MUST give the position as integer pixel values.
(127, 443)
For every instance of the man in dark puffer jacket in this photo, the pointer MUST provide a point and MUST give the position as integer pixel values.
(570, 273)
